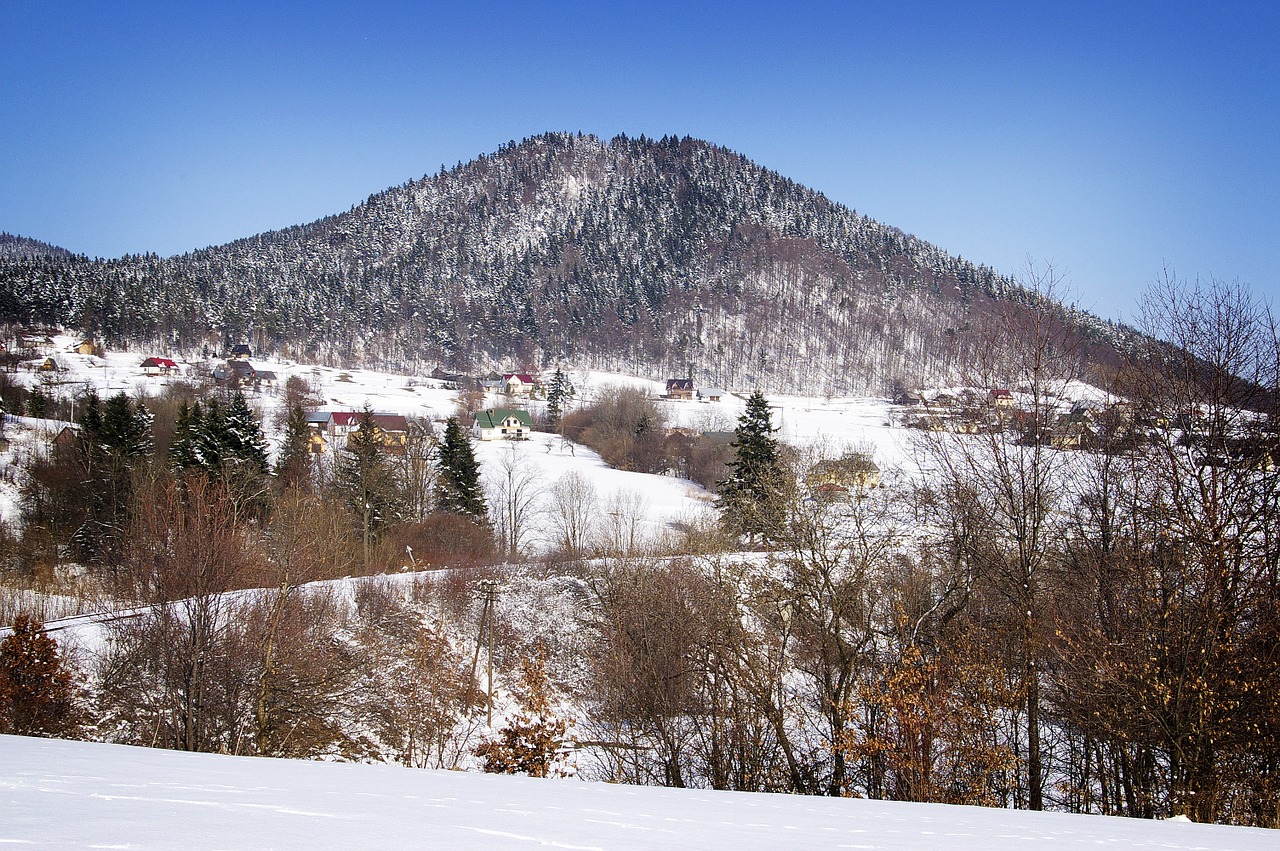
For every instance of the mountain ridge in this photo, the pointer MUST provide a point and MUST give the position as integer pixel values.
(671, 256)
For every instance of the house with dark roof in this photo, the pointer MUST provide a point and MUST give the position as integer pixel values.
(680, 388)
(235, 372)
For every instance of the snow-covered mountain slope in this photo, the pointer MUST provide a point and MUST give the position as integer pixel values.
(672, 255)
(60, 794)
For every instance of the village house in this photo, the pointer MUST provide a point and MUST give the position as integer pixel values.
(680, 389)
(159, 366)
(503, 424)
(86, 347)
(907, 399)
(234, 372)
(391, 430)
(519, 383)
(852, 470)
(1075, 431)
(944, 400)
(65, 440)
(999, 397)
(710, 394)
(51, 364)
(453, 380)
(240, 351)
(332, 430)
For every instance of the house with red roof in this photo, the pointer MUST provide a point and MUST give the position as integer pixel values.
(159, 366)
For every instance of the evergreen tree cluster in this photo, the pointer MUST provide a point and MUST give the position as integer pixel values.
(220, 438)
(114, 439)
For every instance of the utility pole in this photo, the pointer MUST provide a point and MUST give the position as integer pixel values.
(489, 589)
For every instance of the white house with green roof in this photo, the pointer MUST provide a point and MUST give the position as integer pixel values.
(503, 424)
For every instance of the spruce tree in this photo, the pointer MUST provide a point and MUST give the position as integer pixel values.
(293, 463)
(227, 443)
(367, 481)
(557, 392)
(458, 490)
(751, 497)
(242, 437)
(37, 696)
(182, 450)
(208, 436)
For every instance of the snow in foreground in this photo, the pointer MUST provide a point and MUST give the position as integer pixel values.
(57, 794)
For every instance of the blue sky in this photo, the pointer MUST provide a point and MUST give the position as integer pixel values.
(1111, 139)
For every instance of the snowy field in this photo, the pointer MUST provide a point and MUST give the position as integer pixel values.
(58, 794)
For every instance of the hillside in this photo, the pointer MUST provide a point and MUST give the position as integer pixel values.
(667, 257)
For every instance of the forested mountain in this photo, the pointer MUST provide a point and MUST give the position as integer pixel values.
(668, 257)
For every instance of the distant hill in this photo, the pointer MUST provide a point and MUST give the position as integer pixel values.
(666, 257)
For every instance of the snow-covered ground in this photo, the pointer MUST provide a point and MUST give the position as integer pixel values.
(59, 794)
(822, 425)
(834, 424)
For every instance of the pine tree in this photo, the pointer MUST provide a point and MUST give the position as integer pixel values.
(293, 463)
(557, 392)
(751, 497)
(367, 481)
(459, 490)
(243, 439)
(36, 692)
(182, 450)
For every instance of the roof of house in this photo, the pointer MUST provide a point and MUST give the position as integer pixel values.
(494, 417)
(237, 368)
(351, 419)
(711, 391)
(522, 377)
(167, 363)
(679, 384)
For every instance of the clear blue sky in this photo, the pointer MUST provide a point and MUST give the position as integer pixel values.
(1109, 138)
